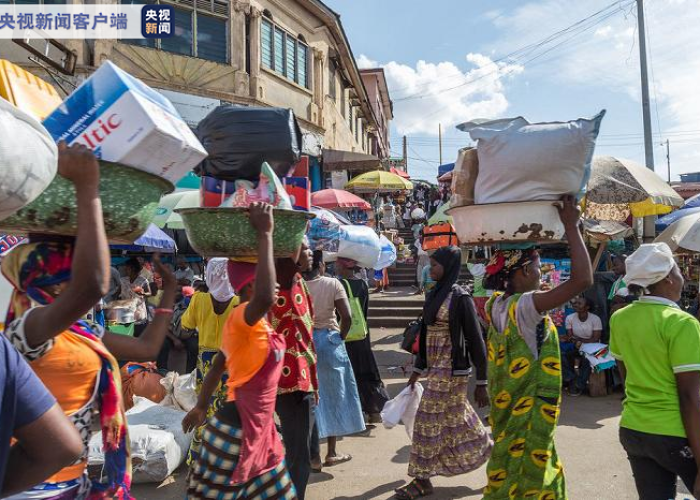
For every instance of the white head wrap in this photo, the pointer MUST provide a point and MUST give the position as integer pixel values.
(649, 264)
(622, 292)
(216, 276)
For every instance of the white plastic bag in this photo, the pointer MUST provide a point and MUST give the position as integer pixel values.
(361, 244)
(403, 409)
(180, 390)
(158, 443)
(28, 159)
(523, 161)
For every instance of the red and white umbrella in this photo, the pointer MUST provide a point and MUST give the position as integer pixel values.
(399, 172)
(338, 198)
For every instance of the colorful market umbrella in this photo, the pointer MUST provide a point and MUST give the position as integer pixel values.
(165, 215)
(378, 181)
(684, 234)
(399, 172)
(665, 221)
(338, 198)
(619, 188)
(441, 215)
(153, 240)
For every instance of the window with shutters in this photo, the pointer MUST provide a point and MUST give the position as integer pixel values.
(284, 53)
(200, 29)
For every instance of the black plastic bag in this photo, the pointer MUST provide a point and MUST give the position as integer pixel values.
(239, 139)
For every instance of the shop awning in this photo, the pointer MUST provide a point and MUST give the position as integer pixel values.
(334, 160)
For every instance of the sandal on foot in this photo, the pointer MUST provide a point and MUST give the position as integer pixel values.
(413, 490)
(338, 459)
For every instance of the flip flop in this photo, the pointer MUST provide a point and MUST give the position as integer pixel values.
(337, 460)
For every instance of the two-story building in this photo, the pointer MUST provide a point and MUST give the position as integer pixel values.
(287, 53)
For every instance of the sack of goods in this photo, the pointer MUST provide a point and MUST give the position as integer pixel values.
(240, 139)
(158, 443)
(124, 121)
(28, 156)
(361, 244)
(504, 189)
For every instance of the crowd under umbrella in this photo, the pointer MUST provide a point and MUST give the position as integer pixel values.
(338, 198)
(619, 188)
(682, 235)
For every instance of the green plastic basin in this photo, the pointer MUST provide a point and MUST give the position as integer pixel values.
(129, 201)
(226, 232)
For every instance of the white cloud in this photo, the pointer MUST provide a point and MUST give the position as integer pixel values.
(364, 62)
(433, 93)
(606, 59)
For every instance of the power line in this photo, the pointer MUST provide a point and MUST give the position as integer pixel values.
(579, 26)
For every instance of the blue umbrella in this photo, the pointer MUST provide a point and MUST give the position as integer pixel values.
(447, 167)
(665, 221)
(692, 202)
(153, 240)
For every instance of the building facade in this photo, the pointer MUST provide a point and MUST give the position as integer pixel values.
(378, 95)
(284, 53)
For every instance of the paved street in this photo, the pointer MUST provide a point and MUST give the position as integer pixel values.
(587, 440)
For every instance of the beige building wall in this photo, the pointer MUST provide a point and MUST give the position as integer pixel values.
(244, 80)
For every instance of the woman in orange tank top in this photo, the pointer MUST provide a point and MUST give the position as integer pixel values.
(56, 283)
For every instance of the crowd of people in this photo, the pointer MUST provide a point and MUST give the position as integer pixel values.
(282, 337)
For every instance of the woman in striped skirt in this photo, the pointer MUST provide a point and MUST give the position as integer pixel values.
(242, 456)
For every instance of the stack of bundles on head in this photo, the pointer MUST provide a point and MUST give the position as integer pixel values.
(503, 190)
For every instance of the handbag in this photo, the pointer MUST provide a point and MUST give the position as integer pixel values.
(411, 335)
(358, 329)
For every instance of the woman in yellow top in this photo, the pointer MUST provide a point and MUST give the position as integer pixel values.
(208, 313)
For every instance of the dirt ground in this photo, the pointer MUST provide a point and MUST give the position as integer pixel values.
(595, 464)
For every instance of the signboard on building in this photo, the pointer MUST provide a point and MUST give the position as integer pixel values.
(399, 163)
(339, 178)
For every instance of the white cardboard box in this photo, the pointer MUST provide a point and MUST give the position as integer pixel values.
(124, 121)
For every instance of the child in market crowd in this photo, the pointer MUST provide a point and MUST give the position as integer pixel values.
(242, 456)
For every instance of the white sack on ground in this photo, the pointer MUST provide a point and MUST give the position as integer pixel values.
(158, 444)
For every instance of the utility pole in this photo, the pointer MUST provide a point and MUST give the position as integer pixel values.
(440, 137)
(649, 222)
(405, 153)
(668, 158)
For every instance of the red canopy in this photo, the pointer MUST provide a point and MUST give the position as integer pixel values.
(399, 172)
(334, 198)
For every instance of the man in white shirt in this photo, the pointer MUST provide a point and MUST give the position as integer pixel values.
(582, 327)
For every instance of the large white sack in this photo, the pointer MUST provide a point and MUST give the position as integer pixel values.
(361, 244)
(387, 255)
(28, 159)
(158, 444)
(523, 161)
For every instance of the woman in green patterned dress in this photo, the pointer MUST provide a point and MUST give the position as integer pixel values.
(524, 368)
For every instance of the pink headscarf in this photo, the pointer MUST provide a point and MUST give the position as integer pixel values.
(240, 274)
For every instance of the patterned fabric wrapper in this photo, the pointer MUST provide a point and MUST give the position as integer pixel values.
(204, 362)
(448, 436)
(525, 403)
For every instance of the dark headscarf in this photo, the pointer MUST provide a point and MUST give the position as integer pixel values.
(503, 264)
(450, 258)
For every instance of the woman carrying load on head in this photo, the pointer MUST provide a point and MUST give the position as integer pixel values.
(242, 456)
(448, 436)
(56, 283)
(525, 367)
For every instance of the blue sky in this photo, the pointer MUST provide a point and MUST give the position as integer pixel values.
(439, 57)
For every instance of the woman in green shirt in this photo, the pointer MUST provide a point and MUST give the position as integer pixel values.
(657, 346)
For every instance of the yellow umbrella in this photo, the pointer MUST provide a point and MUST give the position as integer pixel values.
(378, 181)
